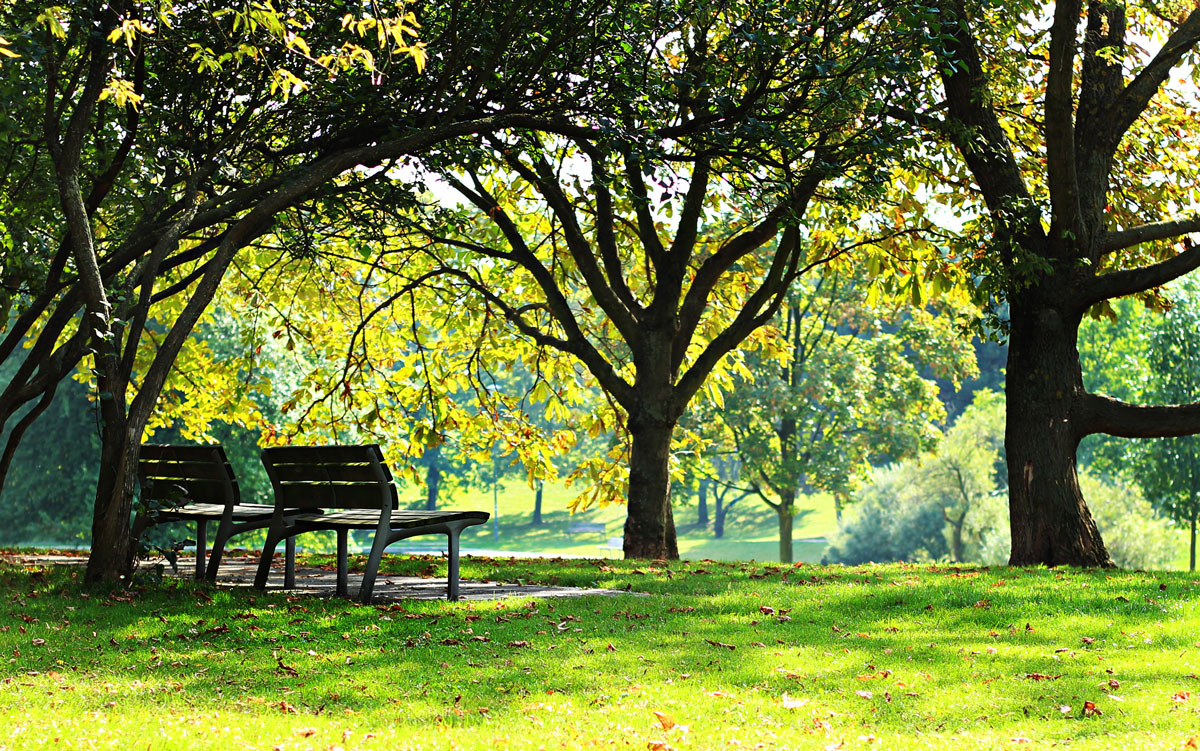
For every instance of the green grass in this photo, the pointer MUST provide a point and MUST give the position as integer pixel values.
(734, 655)
(751, 529)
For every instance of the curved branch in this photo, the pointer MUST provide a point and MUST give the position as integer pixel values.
(1103, 414)
(1060, 121)
(1111, 242)
(1136, 96)
(1120, 283)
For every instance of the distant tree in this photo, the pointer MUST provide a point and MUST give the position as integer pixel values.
(1168, 469)
(850, 393)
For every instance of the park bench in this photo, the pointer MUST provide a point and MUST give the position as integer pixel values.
(341, 488)
(196, 484)
(586, 528)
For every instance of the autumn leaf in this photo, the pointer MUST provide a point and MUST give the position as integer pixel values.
(865, 694)
(1042, 677)
(1090, 709)
(519, 644)
(306, 732)
(721, 644)
(664, 719)
(790, 703)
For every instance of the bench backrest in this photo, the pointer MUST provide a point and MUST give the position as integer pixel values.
(330, 477)
(176, 474)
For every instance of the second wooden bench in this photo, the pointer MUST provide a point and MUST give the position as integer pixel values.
(349, 487)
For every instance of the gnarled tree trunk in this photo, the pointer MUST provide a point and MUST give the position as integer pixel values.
(1051, 523)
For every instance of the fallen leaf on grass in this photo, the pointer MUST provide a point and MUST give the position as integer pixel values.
(1042, 677)
(790, 703)
(1181, 696)
(306, 732)
(720, 644)
(664, 719)
(1090, 709)
(865, 694)
(518, 644)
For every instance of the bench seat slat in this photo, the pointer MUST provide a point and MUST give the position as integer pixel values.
(208, 470)
(323, 454)
(183, 490)
(324, 472)
(369, 519)
(241, 512)
(322, 494)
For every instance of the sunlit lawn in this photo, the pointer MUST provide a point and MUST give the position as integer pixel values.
(715, 656)
(751, 528)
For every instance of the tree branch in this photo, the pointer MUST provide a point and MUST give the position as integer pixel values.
(1103, 414)
(1120, 283)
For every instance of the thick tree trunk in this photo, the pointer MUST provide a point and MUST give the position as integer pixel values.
(1051, 523)
(113, 547)
(787, 516)
(649, 525)
(702, 504)
(537, 502)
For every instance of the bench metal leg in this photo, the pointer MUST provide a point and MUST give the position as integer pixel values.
(452, 563)
(289, 564)
(201, 545)
(343, 561)
(378, 544)
(224, 532)
(264, 561)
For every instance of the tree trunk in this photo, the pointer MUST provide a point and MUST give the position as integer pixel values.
(537, 502)
(702, 504)
(956, 536)
(649, 525)
(1192, 549)
(433, 479)
(1051, 524)
(719, 516)
(837, 507)
(787, 516)
(113, 547)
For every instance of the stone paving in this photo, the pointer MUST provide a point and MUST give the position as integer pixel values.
(238, 571)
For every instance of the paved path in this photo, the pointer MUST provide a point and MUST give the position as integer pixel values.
(238, 571)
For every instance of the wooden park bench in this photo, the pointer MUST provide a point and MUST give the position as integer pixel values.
(196, 484)
(345, 488)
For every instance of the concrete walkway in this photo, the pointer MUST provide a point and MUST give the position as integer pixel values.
(238, 571)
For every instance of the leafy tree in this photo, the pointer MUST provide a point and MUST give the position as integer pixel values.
(149, 143)
(850, 393)
(943, 505)
(616, 240)
(1076, 196)
(1168, 469)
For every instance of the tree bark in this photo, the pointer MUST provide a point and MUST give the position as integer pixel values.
(1192, 548)
(1051, 524)
(786, 511)
(719, 516)
(537, 502)
(433, 479)
(702, 504)
(113, 546)
(649, 525)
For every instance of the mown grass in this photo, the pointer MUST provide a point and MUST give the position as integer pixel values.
(752, 531)
(711, 656)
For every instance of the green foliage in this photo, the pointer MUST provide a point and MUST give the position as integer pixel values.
(1136, 536)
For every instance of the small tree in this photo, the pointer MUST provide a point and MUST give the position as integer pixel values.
(850, 393)
(1168, 469)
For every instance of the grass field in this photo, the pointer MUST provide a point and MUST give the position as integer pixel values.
(751, 530)
(713, 656)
